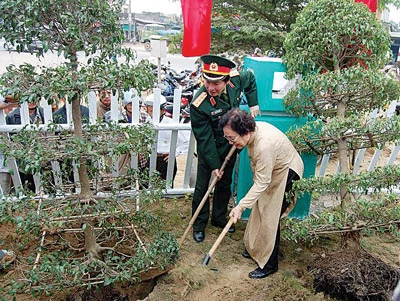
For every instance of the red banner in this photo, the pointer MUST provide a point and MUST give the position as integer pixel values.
(196, 27)
(372, 4)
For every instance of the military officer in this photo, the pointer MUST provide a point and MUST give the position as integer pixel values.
(221, 91)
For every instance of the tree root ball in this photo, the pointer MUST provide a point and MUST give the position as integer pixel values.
(354, 274)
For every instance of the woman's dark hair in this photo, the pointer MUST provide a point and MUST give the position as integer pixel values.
(239, 121)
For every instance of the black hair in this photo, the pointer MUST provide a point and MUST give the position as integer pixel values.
(239, 121)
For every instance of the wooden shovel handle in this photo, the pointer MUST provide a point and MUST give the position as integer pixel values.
(218, 241)
(210, 188)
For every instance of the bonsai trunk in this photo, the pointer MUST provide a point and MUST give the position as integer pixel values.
(77, 119)
(91, 246)
(342, 151)
(82, 169)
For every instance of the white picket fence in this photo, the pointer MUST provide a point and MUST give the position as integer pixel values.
(179, 188)
(361, 159)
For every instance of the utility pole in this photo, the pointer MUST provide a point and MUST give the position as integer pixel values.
(129, 20)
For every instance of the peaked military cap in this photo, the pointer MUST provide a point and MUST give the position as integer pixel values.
(215, 67)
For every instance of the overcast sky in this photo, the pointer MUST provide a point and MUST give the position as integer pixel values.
(394, 14)
(163, 6)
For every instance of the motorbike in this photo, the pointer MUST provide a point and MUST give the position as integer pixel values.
(184, 112)
(187, 81)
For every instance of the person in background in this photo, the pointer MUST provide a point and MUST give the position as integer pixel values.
(60, 116)
(164, 138)
(221, 91)
(103, 103)
(36, 115)
(6, 104)
(126, 117)
(55, 105)
(276, 165)
(183, 145)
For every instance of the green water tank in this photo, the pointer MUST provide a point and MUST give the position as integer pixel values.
(271, 83)
(245, 175)
(271, 88)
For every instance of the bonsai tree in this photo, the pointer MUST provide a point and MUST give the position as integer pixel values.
(80, 239)
(67, 27)
(338, 48)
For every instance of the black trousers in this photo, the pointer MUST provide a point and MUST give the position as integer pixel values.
(162, 167)
(273, 259)
(222, 194)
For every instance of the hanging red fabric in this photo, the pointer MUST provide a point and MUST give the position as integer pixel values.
(196, 27)
(372, 4)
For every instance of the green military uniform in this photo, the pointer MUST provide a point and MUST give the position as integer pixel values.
(212, 147)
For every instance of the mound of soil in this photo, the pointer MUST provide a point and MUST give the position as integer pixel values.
(354, 274)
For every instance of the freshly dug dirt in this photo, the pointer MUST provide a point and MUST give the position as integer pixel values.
(226, 276)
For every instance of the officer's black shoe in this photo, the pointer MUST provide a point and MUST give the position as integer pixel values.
(259, 273)
(199, 236)
(246, 254)
(231, 229)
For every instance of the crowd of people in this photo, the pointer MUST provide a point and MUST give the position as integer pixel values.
(12, 111)
(13, 116)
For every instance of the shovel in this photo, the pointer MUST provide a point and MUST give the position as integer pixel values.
(227, 158)
(218, 241)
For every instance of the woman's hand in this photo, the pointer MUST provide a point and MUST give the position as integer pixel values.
(236, 213)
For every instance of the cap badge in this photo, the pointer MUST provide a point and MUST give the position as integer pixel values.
(213, 67)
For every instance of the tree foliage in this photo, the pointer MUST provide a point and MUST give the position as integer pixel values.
(63, 26)
(68, 27)
(338, 48)
(382, 4)
(332, 36)
(336, 51)
(377, 213)
(241, 26)
(50, 242)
